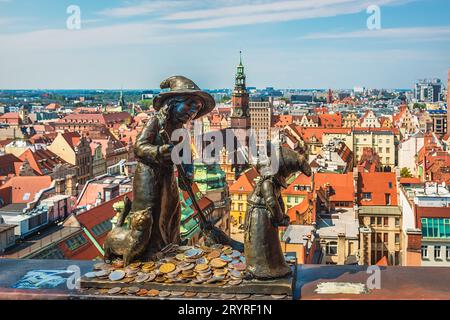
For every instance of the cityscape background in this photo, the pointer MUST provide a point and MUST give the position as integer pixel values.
(287, 44)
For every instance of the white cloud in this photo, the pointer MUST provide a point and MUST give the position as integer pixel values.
(274, 11)
(141, 9)
(122, 35)
(414, 33)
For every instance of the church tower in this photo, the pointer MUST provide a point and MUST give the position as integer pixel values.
(122, 105)
(240, 120)
(240, 115)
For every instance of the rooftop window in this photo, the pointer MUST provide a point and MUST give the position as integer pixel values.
(435, 228)
(76, 242)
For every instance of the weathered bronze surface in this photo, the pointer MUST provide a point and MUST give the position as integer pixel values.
(265, 213)
(154, 186)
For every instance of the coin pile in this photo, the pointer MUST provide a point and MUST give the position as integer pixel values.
(218, 264)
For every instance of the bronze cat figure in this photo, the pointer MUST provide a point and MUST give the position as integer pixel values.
(129, 242)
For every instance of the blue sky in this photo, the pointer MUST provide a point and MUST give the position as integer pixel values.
(286, 43)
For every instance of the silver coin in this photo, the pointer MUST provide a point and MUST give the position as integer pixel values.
(151, 277)
(278, 296)
(226, 258)
(177, 293)
(235, 274)
(197, 281)
(202, 260)
(227, 296)
(187, 267)
(91, 275)
(102, 273)
(114, 290)
(131, 273)
(142, 278)
(193, 252)
(235, 254)
(133, 290)
(184, 248)
(117, 275)
(164, 293)
(235, 282)
(101, 266)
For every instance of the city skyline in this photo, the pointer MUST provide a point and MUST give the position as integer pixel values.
(285, 44)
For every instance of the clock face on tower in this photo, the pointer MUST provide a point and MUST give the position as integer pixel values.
(238, 112)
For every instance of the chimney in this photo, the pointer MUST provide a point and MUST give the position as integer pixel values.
(71, 183)
(341, 248)
(60, 186)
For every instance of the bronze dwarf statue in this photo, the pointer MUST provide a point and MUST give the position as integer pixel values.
(155, 191)
(265, 213)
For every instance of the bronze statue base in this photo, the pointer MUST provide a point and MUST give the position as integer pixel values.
(282, 288)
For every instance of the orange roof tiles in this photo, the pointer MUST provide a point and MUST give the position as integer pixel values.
(24, 189)
(42, 161)
(378, 184)
(245, 183)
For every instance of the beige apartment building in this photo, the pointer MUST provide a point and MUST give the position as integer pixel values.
(261, 119)
(383, 141)
(76, 150)
(380, 234)
(350, 121)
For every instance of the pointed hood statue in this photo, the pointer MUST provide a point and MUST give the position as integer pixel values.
(181, 87)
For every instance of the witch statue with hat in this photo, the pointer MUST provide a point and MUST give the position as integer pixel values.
(155, 192)
(266, 212)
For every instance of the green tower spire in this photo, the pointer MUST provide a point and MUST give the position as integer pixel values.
(240, 75)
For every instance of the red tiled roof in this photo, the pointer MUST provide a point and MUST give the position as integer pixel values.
(410, 180)
(52, 107)
(90, 219)
(382, 262)
(331, 120)
(72, 138)
(43, 161)
(377, 183)
(300, 209)
(341, 184)
(245, 183)
(8, 164)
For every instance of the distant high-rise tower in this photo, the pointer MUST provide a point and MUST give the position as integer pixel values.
(330, 96)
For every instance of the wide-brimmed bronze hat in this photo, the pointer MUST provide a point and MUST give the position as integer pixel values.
(182, 86)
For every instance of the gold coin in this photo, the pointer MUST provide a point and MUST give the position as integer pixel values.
(190, 294)
(220, 272)
(217, 263)
(142, 292)
(153, 293)
(148, 265)
(167, 267)
(135, 265)
(214, 254)
(180, 257)
(201, 267)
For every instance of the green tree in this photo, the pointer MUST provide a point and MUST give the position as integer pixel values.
(405, 173)
(420, 106)
(145, 104)
(225, 99)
